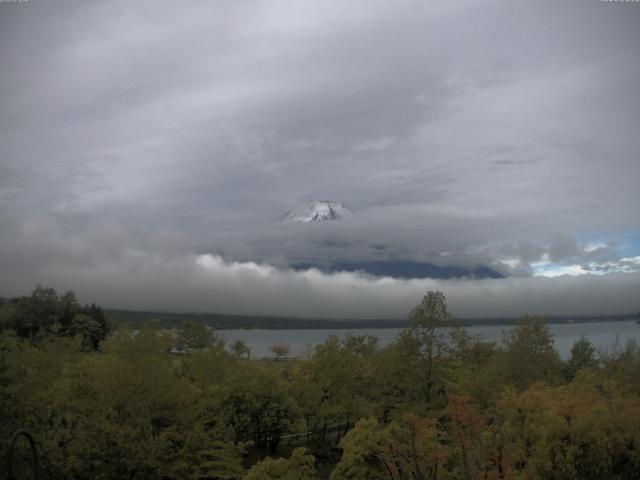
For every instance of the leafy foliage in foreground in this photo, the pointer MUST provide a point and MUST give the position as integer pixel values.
(435, 404)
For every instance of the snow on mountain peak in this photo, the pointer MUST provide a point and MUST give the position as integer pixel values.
(317, 211)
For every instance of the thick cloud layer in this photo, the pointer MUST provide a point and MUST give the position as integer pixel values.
(115, 267)
(462, 133)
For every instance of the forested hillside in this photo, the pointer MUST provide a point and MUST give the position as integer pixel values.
(435, 404)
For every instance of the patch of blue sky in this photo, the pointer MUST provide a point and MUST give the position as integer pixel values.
(626, 244)
(545, 268)
(551, 269)
(625, 257)
(631, 245)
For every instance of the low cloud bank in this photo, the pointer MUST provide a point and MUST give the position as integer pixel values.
(118, 268)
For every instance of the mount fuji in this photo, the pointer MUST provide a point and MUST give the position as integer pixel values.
(317, 211)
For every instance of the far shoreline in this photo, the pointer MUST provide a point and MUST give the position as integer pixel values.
(139, 319)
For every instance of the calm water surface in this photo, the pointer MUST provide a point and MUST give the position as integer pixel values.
(605, 336)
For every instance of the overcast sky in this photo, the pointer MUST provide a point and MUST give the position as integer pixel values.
(146, 147)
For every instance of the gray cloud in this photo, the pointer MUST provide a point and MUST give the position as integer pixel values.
(120, 268)
(461, 133)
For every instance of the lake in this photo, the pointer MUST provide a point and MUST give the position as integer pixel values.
(605, 336)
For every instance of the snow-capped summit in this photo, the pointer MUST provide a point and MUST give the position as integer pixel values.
(317, 211)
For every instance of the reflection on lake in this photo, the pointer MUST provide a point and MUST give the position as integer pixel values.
(605, 336)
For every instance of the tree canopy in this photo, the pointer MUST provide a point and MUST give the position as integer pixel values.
(437, 403)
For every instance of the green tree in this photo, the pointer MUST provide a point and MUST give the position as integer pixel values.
(623, 365)
(112, 415)
(44, 313)
(583, 355)
(431, 313)
(529, 354)
(256, 404)
(88, 329)
(300, 466)
(196, 336)
(68, 308)
(361, 345)
(97, 314)
(6, 313)
(335, 386)
(35, 315)
(425, 344)
(361, 458)
(409, 449)
(222, 460)
(240, 349)
(476, 367)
